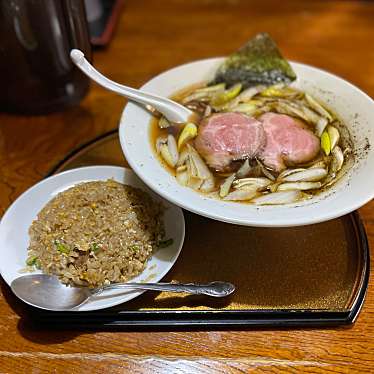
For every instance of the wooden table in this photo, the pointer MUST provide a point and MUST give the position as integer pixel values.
(153, 36)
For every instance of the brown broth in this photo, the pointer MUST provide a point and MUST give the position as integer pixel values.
(156, 131)
(345, 142)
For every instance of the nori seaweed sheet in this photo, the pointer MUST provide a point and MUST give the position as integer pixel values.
(257, 62)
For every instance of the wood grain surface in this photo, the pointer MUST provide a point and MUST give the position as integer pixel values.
(153, 36)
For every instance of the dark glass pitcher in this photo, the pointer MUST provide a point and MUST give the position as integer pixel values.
(36, 37)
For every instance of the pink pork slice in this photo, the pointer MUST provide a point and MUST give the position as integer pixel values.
(287, 141)
(226, 137)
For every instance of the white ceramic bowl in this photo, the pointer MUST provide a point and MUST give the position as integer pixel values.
(16, 221)
(355, 189)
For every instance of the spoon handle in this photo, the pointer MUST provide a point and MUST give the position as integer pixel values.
(215, 289)
(173, 111)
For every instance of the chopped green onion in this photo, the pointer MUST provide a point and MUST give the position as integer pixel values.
(61, 247)
(165, 243)
(31, 260)
(134, 247)
(95, 247)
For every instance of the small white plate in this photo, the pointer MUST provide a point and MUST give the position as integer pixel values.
(14, 238)
(355, 189)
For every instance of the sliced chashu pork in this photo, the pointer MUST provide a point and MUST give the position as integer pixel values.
(288, 142)
(277, 139)
(226, 137)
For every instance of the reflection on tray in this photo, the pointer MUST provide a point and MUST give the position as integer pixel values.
(310, 267)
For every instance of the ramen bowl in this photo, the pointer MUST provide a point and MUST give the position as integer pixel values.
(354, 189)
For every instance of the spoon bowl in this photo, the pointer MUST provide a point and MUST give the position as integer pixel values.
(47, 292)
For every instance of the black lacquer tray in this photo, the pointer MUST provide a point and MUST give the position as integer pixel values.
(303, 276)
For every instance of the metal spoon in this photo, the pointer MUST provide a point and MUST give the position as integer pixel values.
(173, 111)
(47, 292)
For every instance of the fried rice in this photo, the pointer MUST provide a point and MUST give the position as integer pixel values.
(96, 233)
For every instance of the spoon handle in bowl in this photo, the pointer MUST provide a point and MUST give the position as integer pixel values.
(172, 110)
(215, 289)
